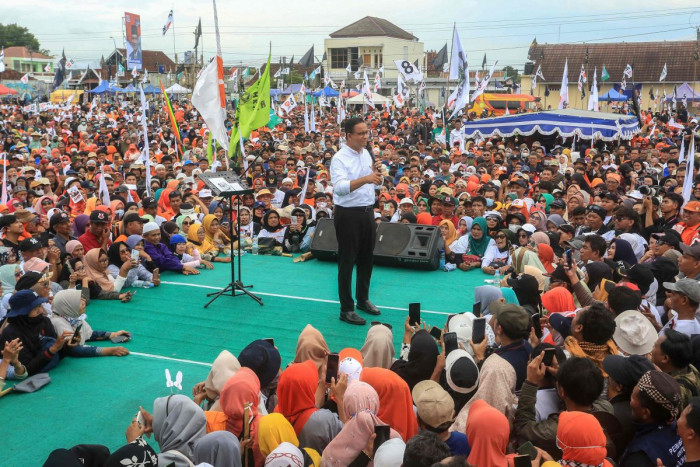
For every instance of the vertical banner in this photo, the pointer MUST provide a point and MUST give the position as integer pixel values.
(134, 57)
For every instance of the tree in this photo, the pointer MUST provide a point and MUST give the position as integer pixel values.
(14, 35)
(512, 73)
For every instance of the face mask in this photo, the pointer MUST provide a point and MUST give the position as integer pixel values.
(514, 227)
(119, 213)
(321, 205)
(39, 192)
(489, 202)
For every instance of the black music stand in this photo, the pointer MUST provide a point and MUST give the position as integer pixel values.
(228, 185)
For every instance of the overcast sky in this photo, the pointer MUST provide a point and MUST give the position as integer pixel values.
(503, 30)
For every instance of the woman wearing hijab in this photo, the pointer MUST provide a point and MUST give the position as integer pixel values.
(488, 432)
(558, 300)
(486, 295)
(271, 227)
(525, 256)
(43, 205)
(509, 296)
(119, 254)
(285, 455)
(91, 204)
(596, 271)
(219, 210)
(311, 346)
(543, 202)
(621, 250)
(296, 395)
(395, 401)
(378, 349)
(420, 358)
(168, 229)
(424, 218)
(275, 430)
(249, 229)
(95, 263)
(360, 407)
(241, 394)
(80, 224)
(497, 255)
(125, 455)
(582, 440)
(298, 235)
(496, 387)
(225, 366)
(215, 235)
(68, 315)
(136, 242)
(554, 221)
(218, 449)
(75, 249)
(539, 219)
(177, 425)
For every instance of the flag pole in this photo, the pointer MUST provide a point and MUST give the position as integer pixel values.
(449, 66)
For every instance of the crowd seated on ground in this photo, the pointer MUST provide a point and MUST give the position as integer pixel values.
(589, 353)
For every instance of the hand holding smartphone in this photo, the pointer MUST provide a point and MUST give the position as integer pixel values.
(383, 433)
(478, 330)
(414, 314)
(450, 341)
(332, 367)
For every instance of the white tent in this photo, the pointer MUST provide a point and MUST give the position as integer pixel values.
(177, 89)
(376, 98)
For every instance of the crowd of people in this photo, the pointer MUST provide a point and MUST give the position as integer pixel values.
(591, 255)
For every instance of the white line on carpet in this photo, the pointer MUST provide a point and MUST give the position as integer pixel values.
(294, 297)
(160, 357)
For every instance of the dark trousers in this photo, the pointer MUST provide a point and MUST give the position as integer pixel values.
(355, 231)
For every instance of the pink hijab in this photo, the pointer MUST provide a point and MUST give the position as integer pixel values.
(361, 404)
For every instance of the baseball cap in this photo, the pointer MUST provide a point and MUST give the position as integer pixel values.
(7, 220)
(262, 192)
(634, 333)
(149, 227)
(25, 216)
(406, 201)
(24, 301)
(204, 193)
(99, 216)
(627, 370)
(557, 204)
(599, 210)
(693, 250)
(148, 202)
(447, 199)
(134, 217)
(559, 274)
(688, 287)
(29, 244)
(640, 275)
(461, 371)
(434, 405)
(258, 204)
(58, 218)
(668, 237)
(514, 320)
(692, 206)
(561, 323)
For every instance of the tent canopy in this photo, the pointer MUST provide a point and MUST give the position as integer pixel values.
(614, 96)
(327, 91)
(106, 87)
(5, 91)
(150, 89)
(565, 123)
(177, 89)
(376, 98)
(292, 89)
(684, 91)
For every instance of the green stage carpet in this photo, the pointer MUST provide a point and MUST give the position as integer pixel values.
(92, 400)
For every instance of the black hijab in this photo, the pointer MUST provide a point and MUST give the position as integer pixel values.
(597, 271)
(266, 224)
(113, 254)
(421, 359)
(289, 194)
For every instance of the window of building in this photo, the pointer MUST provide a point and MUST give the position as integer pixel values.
(354, 58)
(339, 58)
(378, 60)
(367, 60)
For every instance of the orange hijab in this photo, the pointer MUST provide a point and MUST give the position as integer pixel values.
(424, 218)
(395, 401)
(546, 255)
(296, 393)
(241, 389)
(488, 432)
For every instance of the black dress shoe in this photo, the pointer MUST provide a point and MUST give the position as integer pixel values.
(352, 318)
(368, 307)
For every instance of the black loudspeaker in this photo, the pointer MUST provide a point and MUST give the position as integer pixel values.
(412, 246)
(324, 245)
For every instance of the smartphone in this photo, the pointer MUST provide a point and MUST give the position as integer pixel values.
(436, 332)
(414, 314)
(476, 309)
(522, 461)
(537, 325)
(383, 432)
(76, 332)
(332, 367)
(387, 206)
(139, 419)
(569, 258)
(294, 220)
(135, 255)
(478, 330)
(450, 340)
(548, 358)
(527, 449)
(270, 340)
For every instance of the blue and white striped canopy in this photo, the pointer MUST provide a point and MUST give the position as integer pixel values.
(566, 123)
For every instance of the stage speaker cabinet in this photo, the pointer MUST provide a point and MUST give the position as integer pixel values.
(324, 245)
(412, 246)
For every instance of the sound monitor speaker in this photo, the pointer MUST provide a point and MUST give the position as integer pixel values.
(412, 246)
(324, 245)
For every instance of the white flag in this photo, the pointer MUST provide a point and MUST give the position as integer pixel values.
(357, 74)
(593, 98)
(564, 91)
(209, 103)
(628, 71)
(409, 70)
(690, 163)
(134, 72)
(367, 91)
(484, 82)
(348, 68)
(538, 74)
(103, 190)
(381, 69)
(47, 68)
(398, 100)
(461, 66)
(664, 72)
(341, 109)
(289, 104)
(25, 79)
(2, 61)
(581, 78)
(278, 73)
(234, 75)
(168, 22)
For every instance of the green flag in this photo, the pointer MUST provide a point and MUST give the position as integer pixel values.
(274, 120)
(604, 76)
(253, 110)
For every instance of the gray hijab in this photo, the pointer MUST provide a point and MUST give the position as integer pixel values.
(556, 219)
(177, 424)
(486, 295)
(219, 449)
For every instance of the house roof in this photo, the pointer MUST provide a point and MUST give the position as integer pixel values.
(153, 58)
(646, 58)
(23, 52)
(370, 26)
(10, 74)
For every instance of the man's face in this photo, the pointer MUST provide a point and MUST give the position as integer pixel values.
(153, 237)
(557, 210)
(160, 172)
(546, 176)
(175, 203)
(63, 228)
(478, 208)
(406, 208)
(98, 228)
(608, 204)
(587, 254)
(668, 206)
(593, 221)
(611, 184)
(445, 166)
(687, 264)
(16, 227)
(265, 199)
(691, 218)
